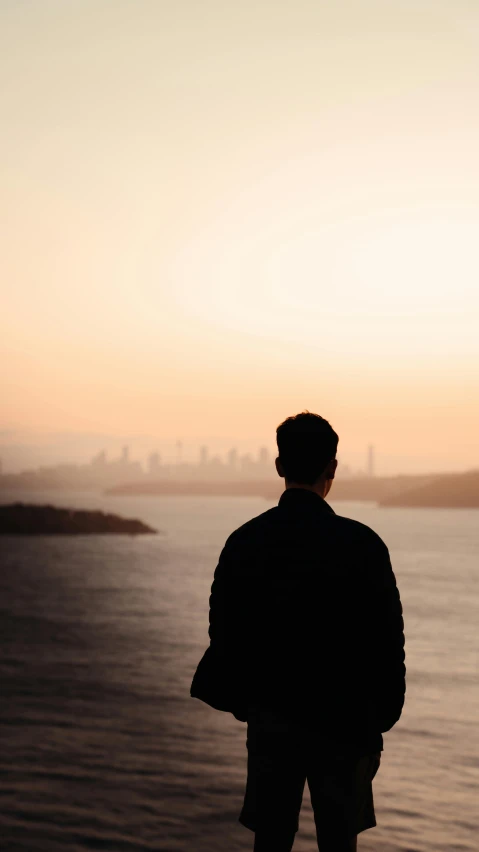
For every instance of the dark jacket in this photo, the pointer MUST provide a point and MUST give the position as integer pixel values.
(305, 618)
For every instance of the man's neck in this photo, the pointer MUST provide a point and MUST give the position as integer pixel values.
(318, 488)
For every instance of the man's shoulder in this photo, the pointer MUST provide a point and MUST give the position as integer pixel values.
(254, 526)
(338, 526)
(358, 531)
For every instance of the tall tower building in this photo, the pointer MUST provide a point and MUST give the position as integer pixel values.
(263, 456)
(99, 460)
(246, 463)
(233, 458)
(203, 455)
(370, 464)
(179, 452)
(154, 464)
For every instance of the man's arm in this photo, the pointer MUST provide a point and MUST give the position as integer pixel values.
(220, 601)
(228, 624)
(386, 637)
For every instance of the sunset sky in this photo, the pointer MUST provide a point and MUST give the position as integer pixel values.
(217, 214)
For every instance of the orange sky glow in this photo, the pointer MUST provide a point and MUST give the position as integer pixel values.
(216, 215)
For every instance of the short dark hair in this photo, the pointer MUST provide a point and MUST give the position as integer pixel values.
(306, 443)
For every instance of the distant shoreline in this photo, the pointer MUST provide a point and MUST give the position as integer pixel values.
(434, 490)
(422, 491)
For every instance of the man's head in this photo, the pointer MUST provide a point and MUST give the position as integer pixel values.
(307, 447)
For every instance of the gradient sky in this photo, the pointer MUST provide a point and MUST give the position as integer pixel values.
(218, 214)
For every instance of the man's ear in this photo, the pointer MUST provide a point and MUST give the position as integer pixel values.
(279, 467)
(331, 469)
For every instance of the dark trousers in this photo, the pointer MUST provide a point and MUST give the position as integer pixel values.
(281, 756)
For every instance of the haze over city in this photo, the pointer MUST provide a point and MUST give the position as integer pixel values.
(210, 226)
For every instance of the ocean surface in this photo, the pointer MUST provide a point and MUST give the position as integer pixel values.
(102, 747)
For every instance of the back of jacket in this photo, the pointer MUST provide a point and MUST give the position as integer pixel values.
(305, 618)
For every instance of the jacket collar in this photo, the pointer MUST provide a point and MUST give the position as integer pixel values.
(303, 498)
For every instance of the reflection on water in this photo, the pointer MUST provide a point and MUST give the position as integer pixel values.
(102, 747)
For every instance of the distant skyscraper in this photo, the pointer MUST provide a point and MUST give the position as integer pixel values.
(370, 464)
(263, 456)
(246, 462)
(125, 455)
(233, 458)
(179, 449)
(99, 460)
(154, 464)
(344, 471)
(203, 455)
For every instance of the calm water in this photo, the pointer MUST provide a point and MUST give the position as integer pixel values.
(102, 747)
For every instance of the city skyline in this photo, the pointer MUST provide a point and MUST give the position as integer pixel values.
(231, 462)
(30, 451)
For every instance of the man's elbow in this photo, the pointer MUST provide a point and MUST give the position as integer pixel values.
(393, 705)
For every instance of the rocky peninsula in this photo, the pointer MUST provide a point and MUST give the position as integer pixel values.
(30, 519)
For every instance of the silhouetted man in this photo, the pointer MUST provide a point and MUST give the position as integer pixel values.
(307, 647)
